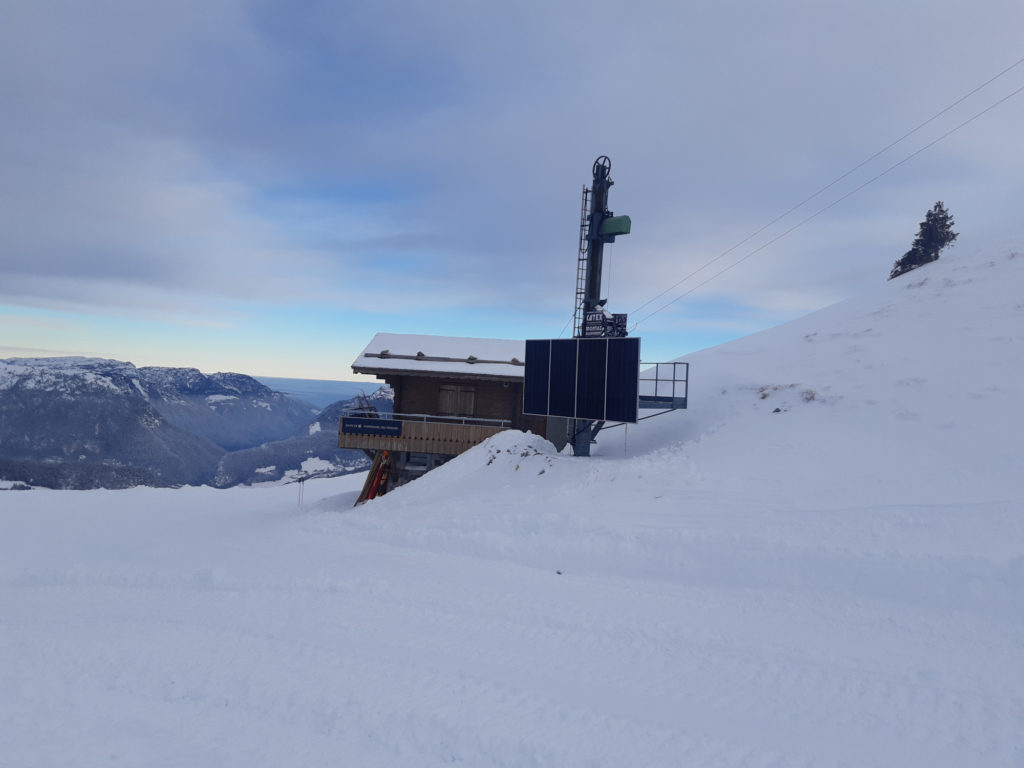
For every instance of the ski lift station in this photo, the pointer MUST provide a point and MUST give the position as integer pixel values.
(453, 393)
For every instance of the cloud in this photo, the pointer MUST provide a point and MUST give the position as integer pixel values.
(191, 158)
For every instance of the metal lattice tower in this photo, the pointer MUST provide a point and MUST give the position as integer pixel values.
(581, 264)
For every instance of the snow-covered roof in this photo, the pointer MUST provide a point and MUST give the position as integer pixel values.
(433, 355)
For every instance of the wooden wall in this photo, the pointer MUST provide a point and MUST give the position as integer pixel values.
(494, 399)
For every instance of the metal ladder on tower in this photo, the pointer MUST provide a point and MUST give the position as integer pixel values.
(581, 264)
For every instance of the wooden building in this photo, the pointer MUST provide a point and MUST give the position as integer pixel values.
(450, 394)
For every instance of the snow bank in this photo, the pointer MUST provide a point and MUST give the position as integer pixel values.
(909, 394)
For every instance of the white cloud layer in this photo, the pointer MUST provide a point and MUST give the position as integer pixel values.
(181, 157)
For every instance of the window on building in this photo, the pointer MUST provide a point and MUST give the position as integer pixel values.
(456, 400)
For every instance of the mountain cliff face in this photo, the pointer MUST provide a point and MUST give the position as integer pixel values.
(90, 423)
(229, 409)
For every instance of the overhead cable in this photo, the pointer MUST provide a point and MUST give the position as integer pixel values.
(817, 213)
(831, 184)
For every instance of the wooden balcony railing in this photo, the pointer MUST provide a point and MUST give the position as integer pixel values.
(391, 433)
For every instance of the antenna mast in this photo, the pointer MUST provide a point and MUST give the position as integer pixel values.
(598, 226)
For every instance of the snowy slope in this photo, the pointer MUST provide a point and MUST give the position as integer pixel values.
(921, 380)
(840, 583)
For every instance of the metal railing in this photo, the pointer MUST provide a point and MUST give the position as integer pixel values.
(665, 386)
(470, 421)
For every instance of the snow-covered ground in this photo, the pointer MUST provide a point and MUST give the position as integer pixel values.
(821, 563)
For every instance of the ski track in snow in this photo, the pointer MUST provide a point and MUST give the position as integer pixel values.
(839, 583)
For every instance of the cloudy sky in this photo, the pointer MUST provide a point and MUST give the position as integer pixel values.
(261, 186)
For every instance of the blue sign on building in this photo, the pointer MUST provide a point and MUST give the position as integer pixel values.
(357, 425)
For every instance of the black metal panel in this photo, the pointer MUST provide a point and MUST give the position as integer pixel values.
(537, 377)
(562, 387)
(623, 379)
(591, 378)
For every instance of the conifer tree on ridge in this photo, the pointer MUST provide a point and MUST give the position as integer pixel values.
(935, 234)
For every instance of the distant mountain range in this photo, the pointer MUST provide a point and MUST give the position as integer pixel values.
(94, 423)
(320, 393)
